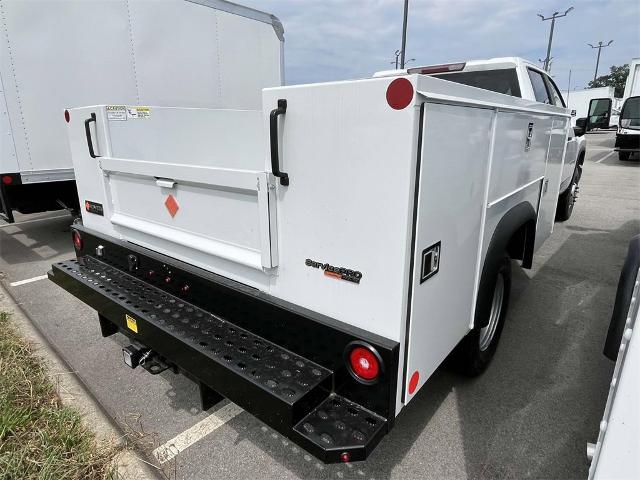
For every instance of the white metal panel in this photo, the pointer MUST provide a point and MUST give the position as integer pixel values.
(231, 139)
(63, 54)
(8, 157)
(221, 195)
(553, 178)
(56, 55)
(617, 453)
(450, 206)
(191, 55)
(516, 164)
(350, 161)
(89, 176)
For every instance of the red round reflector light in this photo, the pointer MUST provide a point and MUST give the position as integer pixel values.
(77, 240)
(364, 363)
(67, 116)
(399, 93)
(7, 179)
(345, 457)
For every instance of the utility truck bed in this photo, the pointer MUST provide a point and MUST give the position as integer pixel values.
(317, 260)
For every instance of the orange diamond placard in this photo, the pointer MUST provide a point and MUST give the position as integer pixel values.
(172, 205)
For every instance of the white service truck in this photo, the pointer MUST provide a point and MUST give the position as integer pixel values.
(59, 54)
(314, 260)
(628, 134)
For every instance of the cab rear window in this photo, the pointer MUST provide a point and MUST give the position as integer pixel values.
(501, 81)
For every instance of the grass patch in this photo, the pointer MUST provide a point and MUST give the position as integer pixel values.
(39, 437)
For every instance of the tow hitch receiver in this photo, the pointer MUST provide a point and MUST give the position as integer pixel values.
(145, 357)
(292, 394)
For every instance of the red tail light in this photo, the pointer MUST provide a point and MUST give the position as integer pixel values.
(77, 240)
(7, 179)
(364, 363)
(449, 67)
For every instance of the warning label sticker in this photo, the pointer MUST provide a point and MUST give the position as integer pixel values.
(131, 323)
(117, 113)
(138, 112)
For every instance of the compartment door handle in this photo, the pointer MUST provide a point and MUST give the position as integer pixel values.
(273, 134)
(87, 131)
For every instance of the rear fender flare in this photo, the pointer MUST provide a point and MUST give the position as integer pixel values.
(519, 221)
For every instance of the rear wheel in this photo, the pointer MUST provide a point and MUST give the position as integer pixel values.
(624, 156)
(567, 199)
(474, 353)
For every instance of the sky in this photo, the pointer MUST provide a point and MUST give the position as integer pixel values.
(346, 39)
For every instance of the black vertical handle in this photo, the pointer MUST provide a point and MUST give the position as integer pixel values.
(87, 130)
(273, 133)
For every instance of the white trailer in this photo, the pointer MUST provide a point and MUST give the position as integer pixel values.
(56, 55)
(316, 259)
(580, 100)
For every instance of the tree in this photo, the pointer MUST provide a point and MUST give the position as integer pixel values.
(616, 79)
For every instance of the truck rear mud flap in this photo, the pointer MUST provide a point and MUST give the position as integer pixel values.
(292, 394)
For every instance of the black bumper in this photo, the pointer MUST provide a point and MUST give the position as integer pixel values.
(311, 401)
(628, 142)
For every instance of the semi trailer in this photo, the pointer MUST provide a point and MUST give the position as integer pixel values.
(60, 54)
(314, 260)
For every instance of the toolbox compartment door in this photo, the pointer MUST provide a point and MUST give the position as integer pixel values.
(189, 181)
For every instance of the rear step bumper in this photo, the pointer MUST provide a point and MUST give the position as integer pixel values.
(290, 393)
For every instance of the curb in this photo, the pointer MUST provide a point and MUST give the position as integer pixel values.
(72, 392)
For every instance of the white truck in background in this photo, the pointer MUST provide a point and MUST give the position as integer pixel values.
(56, 55)
(580, 100)
(628, 134)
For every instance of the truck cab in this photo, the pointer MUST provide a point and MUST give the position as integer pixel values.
(628, 135)
(519, 78)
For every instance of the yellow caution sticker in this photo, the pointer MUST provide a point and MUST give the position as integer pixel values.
(131, 323)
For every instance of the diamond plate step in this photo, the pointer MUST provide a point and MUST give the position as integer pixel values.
(249, 370)
(340, 426)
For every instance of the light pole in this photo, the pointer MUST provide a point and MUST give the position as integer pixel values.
(553, 23)
(548, 67)
(397, 54)
(600, 46)
(404, 33)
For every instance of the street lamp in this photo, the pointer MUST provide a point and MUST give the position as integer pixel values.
(600, 46)
(404, 32)
(553, 23)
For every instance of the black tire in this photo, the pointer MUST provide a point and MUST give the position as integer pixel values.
(567, 199)
(468, 357)
(624, 156)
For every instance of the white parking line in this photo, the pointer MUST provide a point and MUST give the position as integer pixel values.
(184, 440)
(606, 156)
(28, 280)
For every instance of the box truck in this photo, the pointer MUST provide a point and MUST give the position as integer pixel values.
(60, 54)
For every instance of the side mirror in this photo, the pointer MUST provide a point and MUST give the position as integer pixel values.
(581, 127)
(599, 113)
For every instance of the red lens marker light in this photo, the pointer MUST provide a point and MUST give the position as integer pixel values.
(413, 382)
(399, 93)
(7, 179)
(364, 363)
(77, 240)
(67, 116)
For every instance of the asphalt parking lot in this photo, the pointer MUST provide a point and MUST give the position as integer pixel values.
(529, 416)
